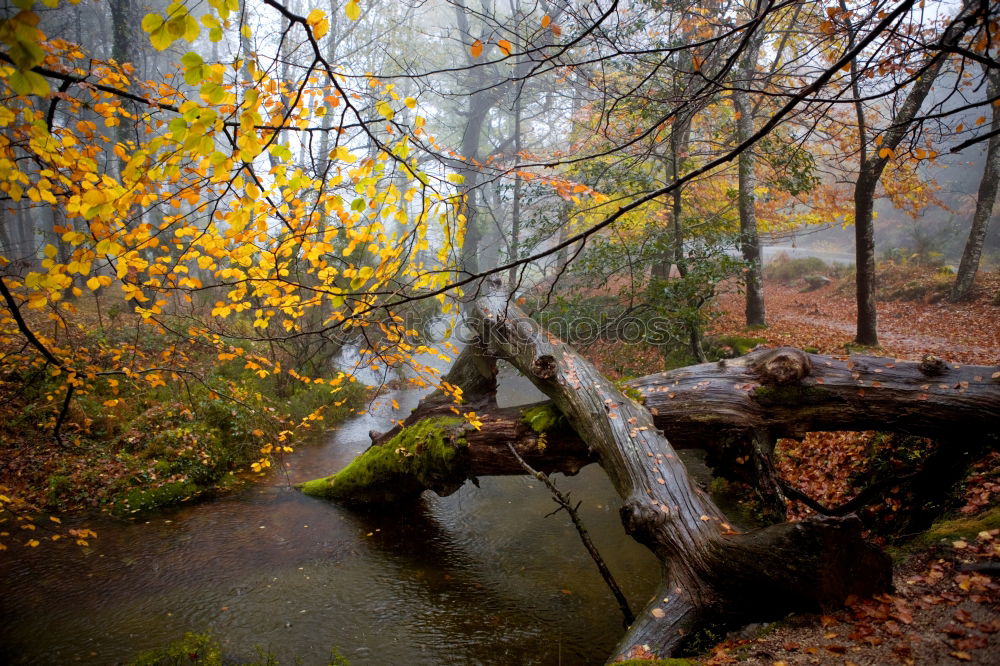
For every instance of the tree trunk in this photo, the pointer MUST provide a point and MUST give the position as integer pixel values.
(680, 141)
(864, 248)
(747, 199)
(513, 249)
(984, 202)
(712, 574)
(482, 98)
(871, 167)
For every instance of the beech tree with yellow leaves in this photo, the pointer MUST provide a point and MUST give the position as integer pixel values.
(219, 222)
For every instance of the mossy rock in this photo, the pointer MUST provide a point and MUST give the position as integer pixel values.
(428, 455)
(946, 531)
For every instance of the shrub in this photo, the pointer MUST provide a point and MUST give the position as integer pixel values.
(787, 270)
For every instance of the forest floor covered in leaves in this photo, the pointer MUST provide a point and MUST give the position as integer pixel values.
(914, 318)
(945, 605)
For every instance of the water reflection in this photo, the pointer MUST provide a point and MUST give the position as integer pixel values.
(478, 577)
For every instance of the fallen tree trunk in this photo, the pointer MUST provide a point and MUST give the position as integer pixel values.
(788, 393)
(725, 407)
(712, 573)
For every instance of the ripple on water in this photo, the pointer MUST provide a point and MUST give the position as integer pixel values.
(481, 576)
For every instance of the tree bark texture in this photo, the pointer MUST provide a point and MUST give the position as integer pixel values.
(984, 201)
(747, 199)
(708, 568)
(712, 573)
(767, 394)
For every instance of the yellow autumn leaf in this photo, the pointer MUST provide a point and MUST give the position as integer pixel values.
(318, 22)
(151, 22)
(385, 109)
(353, 10)
(315, 16)
(93, 284)
(410, 103)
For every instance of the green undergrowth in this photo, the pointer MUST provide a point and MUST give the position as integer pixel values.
(202, 649)
(717, 347)
(426, 455)
(786, 270)
(914, 281)
(175, 454)
(206, 650)
(135, 443)
(730, 346)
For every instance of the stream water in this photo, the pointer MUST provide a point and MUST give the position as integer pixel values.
(482, 576)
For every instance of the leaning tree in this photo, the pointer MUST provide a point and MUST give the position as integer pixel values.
(712, 572)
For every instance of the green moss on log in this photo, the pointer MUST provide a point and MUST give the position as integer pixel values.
(629, 391)
(428, 455)
(542, 418)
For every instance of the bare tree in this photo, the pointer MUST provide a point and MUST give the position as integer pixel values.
(986, 198)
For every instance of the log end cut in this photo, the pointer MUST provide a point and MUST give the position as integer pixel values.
(782, 366)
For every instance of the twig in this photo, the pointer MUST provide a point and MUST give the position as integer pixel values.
(563, 501)
(863, 499)
(62, 413)
(15, 312)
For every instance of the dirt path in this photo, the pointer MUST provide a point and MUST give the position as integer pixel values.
(825, 319)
